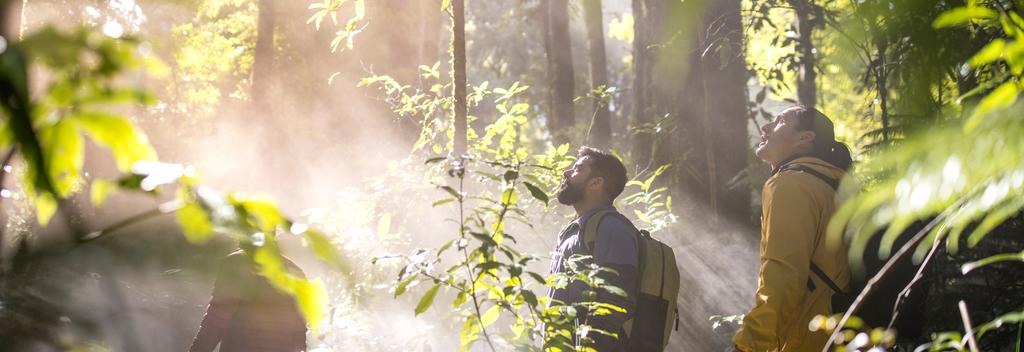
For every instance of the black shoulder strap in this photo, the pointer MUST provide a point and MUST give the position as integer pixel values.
(835, 186)
(821, 275)
(828, 180)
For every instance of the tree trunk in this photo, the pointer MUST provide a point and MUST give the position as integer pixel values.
(699, 80)
(263, 59)
(806, 17)
(459, 76)
(599, 133)
(562, 76)
(644, 35)
(428, 49)
(726, 114)
(882, 86)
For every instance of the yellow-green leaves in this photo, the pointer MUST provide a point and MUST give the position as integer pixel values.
(126, 142)
(1000, 98)
(963, 15)
(427, 300)
(195, 224)
(64, 151)
(310, 295)
(330, 8)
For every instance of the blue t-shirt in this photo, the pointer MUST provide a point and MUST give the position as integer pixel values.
(615, 245)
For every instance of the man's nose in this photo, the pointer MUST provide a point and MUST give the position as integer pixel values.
(766, 127)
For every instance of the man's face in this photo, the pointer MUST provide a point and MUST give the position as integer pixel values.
(780, 138)
(574, 186)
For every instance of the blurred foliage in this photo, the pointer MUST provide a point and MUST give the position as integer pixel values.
(227, 29)
(964, 176)
(84, 67)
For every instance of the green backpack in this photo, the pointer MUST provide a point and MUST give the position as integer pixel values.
(656, 311)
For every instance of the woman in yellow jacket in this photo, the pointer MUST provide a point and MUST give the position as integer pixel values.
(797, 204)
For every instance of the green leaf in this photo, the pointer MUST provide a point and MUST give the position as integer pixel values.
(46, 206)
(966, 268)
(1000, 98)
(991, 52)
(490, 316)
(962, 15)
(442, 202)
(194, 222)
(427, 300)
(265, 213)
(404, 284)
(324, 249)
(64, 154)
(536, 192)
(126, 142)
(384, 225)
(100, 190)
(14, 92)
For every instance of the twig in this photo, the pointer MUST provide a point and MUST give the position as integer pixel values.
(917, 277)
(968, 330)
(165, 208)
(3, 176)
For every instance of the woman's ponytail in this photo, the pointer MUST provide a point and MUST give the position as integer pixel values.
(839, 155)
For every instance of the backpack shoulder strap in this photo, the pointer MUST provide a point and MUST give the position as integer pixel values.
(821, 275)
(835, 186)
(828, 180)
(590, 228)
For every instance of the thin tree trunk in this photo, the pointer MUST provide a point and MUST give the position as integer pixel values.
(643, 66)
(459, 76)
(599, 133)
(561, 74)
(881, 85)
(725, 93)
(806, 86)
(263, 59)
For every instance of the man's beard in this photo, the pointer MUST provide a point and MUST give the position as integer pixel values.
(569, 194)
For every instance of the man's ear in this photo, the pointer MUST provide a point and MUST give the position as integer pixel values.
(596, 182)
(807, 136)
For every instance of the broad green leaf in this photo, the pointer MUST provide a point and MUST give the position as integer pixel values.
(64, 151)
(126, 142)
(536, 192)
(991, 52)
(961, 15)
(1000, 98)
(14, 91)
(490, 316)
(324, 249)
(384, 225)
(309, 295)
(264, 212)
(470, 332)
(100, 190)
(427, 300)
(46, 206)
(195, 224)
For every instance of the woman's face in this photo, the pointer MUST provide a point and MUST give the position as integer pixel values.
(781, 139)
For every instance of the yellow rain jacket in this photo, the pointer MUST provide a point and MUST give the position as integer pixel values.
(796, 208)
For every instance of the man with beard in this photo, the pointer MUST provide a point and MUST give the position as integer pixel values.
(590, 186)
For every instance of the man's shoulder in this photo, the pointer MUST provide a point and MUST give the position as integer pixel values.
(617, 225)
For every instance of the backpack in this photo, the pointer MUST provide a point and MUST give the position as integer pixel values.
(877, 309)
(656, 310)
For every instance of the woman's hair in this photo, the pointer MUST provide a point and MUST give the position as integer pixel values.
(825, 145)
